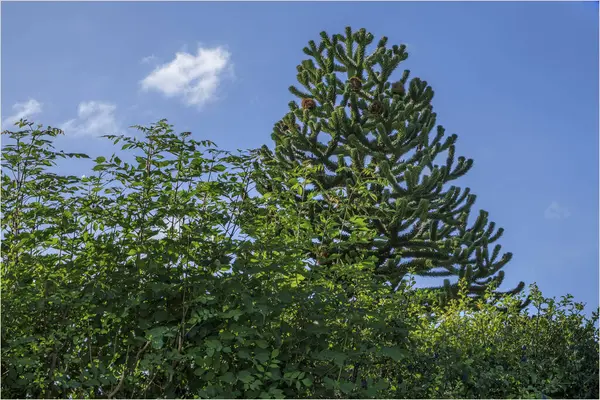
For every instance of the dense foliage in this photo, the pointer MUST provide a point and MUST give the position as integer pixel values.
(352, 119)
(161, 277)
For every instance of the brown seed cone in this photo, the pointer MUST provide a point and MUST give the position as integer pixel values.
(376, 108)
(398, 88)
(308, 104)
(355, 83)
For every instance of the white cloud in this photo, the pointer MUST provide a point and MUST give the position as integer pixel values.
(556, 211)
(94, 118)
(193, 78)
(22, 110)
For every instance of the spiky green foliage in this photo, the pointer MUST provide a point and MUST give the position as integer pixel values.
(351, 120)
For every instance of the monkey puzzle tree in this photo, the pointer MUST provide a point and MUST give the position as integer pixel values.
(354, 122)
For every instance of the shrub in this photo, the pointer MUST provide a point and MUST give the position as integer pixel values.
(163, 276)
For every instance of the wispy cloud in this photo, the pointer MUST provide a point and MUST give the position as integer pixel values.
(149, 59)
(94, 118)
(193, 78)
(556, 211)
(22, 110)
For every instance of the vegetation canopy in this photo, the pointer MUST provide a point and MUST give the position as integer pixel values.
(162, 276)
(355, 122)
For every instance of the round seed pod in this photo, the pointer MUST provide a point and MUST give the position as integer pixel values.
(376, 108)
(398, 88)
(308, 104)
(355, 83)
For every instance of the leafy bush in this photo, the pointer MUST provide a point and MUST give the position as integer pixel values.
(161, 276)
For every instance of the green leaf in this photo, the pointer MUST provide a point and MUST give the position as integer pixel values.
(346, 387)
(245, 376)
(262, 356)
(226, 335)
(229, 377)
(329, 383)
(162, 315)
(395, 353)
(235, 314)
(339, 358)
(244, 354)
(157, 342)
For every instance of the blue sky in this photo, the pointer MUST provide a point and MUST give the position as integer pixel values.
(518, 82)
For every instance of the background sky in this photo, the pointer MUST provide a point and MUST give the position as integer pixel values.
(517, 81)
